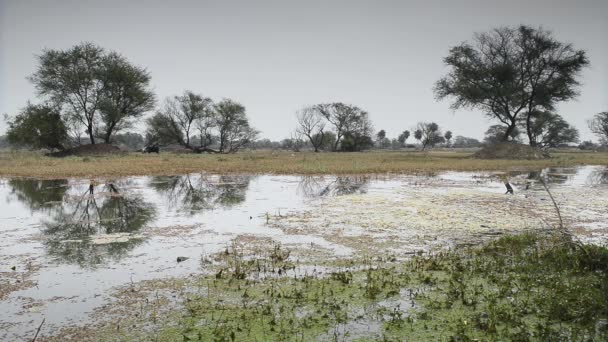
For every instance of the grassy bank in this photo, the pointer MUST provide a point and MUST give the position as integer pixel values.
(27, 164)
(518, 288)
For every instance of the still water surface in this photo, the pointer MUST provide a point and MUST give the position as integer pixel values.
(72, 241)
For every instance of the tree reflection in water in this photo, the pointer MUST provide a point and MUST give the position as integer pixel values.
(318, 186)
(81, 217)
(194, 193)
(39, 195)
(598, 177)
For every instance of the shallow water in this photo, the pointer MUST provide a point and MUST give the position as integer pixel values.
(73, 241)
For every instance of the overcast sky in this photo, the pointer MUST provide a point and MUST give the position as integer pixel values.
(277, 56)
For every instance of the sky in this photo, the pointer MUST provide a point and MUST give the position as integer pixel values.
(275, 57)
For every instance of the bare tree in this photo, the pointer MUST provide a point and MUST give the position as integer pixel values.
(599, 126)
(311, 125)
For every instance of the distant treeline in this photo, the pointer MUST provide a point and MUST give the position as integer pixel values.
(515, 75)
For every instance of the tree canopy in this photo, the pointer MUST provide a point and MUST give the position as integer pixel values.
(429, 134)
(38, 126)
(551, 130)
(93, 88)
(510, 73)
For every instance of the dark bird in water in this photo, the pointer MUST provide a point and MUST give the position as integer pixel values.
(509, 188)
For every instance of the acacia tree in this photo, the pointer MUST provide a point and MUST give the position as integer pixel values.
(311, 125)
(71, 78)
(176, 121)
(495, 134)
(599, 126)
(37, 126)
(342, 117)
(125, 96)
(448, 136)
(510, 73)
(381, 140)
(430, 135)
(233, 126)
(403, 137)
(93, 87)
(418, 135)
(358, 133)
(551, 130)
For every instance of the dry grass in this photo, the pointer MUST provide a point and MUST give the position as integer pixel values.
(29, 164)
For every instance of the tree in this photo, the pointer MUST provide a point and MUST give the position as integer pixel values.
(495, 134)
(311, 125)
(233, 126)
(126, 95)
(93, 88)
(342, 117)
(430, 135)
(71, 78)
(381, 140)
(295, 142)
(418, 135)
(176, 121)
(512, 72)
(599, 126)
(448, 136)
(38, 126)
(551, 130)
(403, 137)
(588, 145)
(463, 142)
(327, 140)
(358, 134)
(131, 140)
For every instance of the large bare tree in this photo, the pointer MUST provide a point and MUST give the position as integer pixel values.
(311, 125)
(511, 73)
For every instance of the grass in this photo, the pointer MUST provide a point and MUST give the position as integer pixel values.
(516, 288)
(30, 164)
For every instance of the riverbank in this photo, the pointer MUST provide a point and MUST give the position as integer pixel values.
(36, 165)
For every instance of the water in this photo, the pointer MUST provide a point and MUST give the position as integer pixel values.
(72, 241)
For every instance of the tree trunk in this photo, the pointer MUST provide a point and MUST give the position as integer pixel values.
(529, 130)
(91, 136)
(108, 134)
(509, 131)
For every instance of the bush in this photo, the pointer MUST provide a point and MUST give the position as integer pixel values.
(38, 126)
